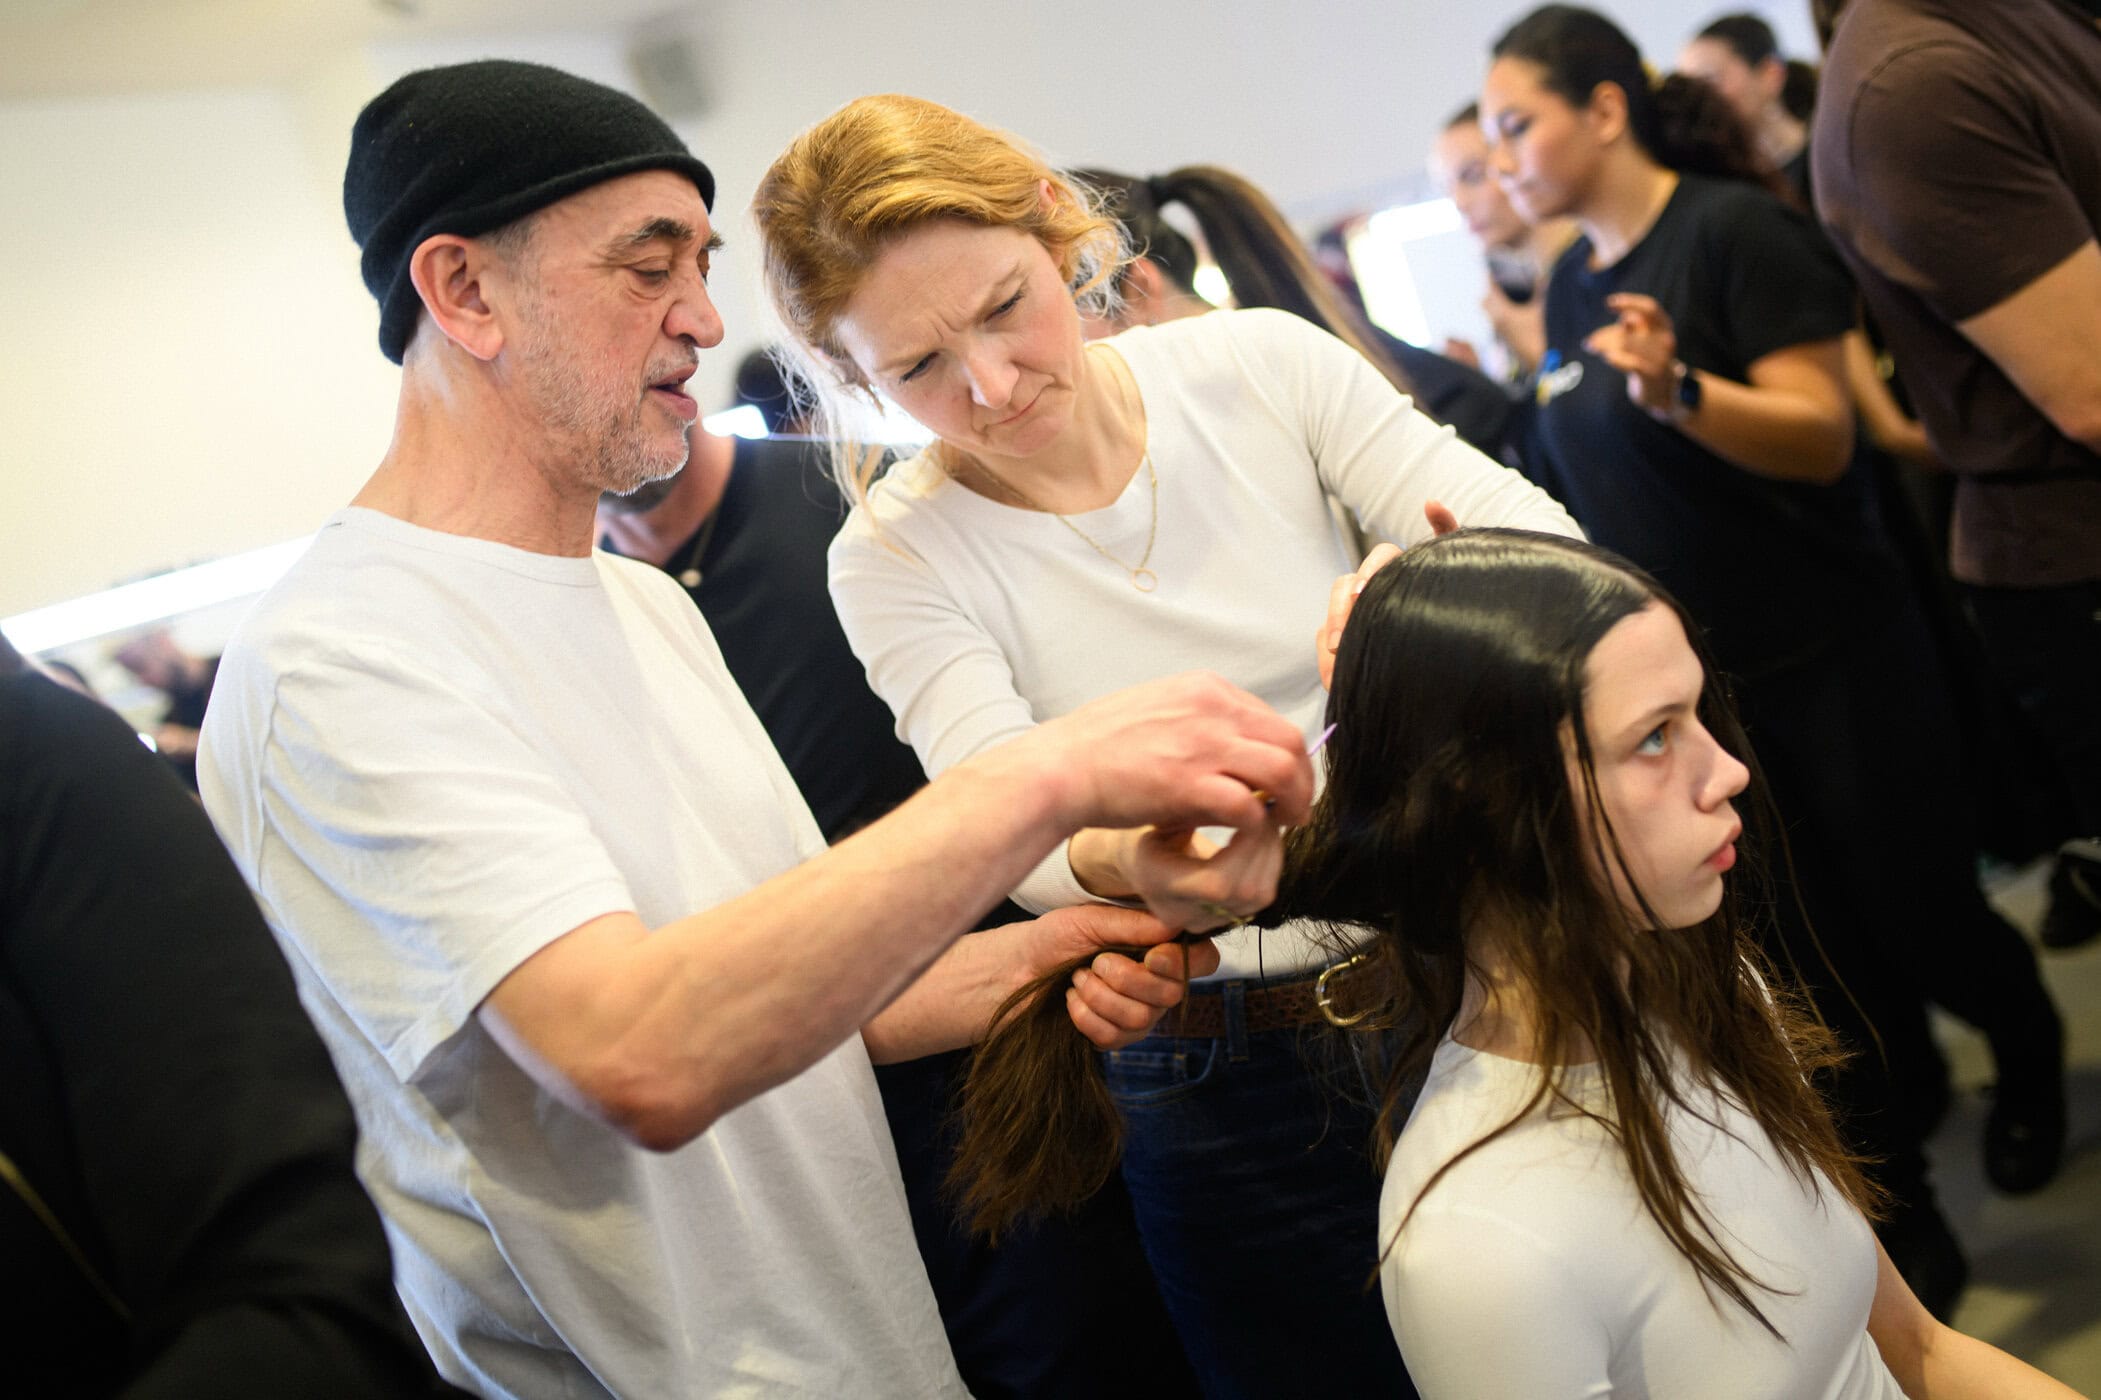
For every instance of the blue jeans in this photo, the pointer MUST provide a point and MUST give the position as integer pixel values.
(1258, 1209)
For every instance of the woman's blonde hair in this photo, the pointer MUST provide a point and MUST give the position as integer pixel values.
(871, 172)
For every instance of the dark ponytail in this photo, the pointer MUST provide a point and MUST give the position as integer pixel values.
(1698, 132)
(1263, 260)
(1681, 122)
(1135, 204)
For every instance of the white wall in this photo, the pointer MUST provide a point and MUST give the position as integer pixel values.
(187, 357)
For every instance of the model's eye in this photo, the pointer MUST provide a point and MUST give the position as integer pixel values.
(1004, 307)
(1655, 742)
(916, 370)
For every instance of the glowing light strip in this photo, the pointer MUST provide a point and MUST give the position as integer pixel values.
(151, 599)
(182, 591)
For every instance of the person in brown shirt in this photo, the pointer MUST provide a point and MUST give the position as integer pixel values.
(1957, 163)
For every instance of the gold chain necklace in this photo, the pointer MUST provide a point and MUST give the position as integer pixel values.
(1142, 578)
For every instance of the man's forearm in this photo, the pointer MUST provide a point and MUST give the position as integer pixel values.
(952, 1003)
(662, 1031)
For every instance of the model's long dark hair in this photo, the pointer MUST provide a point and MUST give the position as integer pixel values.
(1261, 258)
(1458, 703)
(1682, 122)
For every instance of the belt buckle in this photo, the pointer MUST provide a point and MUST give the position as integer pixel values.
(1321, 994)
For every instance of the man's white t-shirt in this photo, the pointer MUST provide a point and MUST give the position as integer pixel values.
(433, 755)
(1531, 1268)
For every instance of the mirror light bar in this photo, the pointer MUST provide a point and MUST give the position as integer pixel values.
(151, 599)
(182, 591)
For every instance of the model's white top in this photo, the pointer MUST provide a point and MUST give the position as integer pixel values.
(431, 756)
(1532, 1269)
(977, 619)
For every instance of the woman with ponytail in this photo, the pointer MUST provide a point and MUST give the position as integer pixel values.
(1543, 829)
(1694, 417)
(1264, 264)
(1738, 56)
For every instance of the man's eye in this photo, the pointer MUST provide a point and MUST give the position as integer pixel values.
(655, 276)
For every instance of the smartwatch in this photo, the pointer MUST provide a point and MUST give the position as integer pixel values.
(1685, 396)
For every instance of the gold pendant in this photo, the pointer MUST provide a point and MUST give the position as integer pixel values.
(1144, 580)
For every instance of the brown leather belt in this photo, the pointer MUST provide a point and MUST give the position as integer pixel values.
(1322, 998)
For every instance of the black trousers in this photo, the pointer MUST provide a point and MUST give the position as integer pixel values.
(2045, 645)
(1063, 1308)
(1864, 762)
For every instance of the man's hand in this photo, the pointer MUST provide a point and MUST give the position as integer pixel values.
(1184, 752)
(1342, 595)
(1117, 999)
(1643, 345)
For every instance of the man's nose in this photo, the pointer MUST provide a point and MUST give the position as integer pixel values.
(693, 317)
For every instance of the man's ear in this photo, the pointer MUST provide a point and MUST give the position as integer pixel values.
(448, 272)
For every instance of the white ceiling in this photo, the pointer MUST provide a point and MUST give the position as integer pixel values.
(85, 48)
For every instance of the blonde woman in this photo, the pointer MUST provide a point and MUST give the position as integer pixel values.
(1090, 515)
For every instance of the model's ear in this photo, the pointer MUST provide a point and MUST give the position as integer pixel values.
(449, 274)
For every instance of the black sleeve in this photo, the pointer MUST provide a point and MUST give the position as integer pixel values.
(209, 1139)
(1784, 284)
(1479, 410)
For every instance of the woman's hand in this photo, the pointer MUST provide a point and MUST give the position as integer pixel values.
(1342, 594)
(1642, 345)
(1183, 878)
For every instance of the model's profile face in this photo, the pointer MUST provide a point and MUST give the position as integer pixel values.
(973, 332)
(1718, 65)
(1459, 162)
(1664, 782)
(611, 312)
(1541, 148)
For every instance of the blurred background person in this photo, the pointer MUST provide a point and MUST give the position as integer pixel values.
(1520, 255)
(1738, 56)
(186, 680)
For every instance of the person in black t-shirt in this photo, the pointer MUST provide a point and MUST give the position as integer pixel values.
(744, 529)
(1693, 417)
(179, 1214)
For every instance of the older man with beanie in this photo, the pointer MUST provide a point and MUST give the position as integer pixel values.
(605, 1004)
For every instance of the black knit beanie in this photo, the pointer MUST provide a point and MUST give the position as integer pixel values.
(472, 147)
